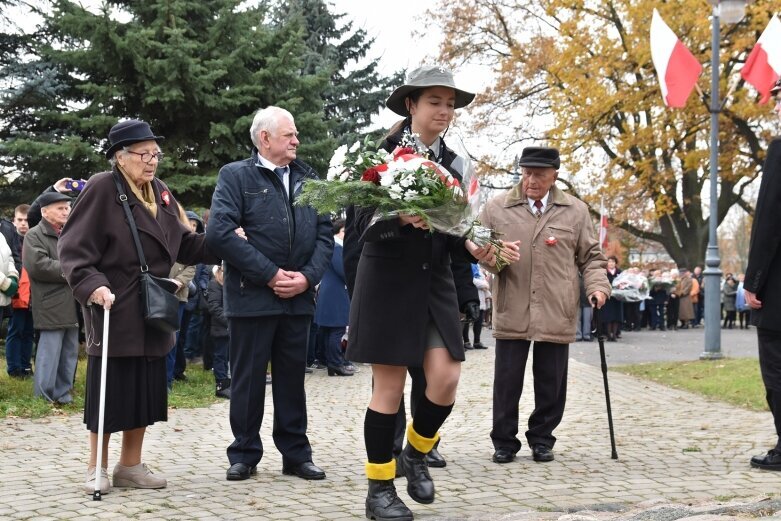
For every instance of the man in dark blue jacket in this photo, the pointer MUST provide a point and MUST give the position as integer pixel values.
(270, 276)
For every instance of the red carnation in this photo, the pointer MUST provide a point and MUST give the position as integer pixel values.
(166, 197)
(371, 175)
(402, 151)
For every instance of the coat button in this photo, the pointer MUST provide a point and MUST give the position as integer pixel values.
(425, 265)
(284, 219)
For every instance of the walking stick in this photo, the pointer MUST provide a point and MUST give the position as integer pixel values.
(102, 404)
(601, 340)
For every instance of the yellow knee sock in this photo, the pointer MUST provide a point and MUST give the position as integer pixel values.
(420, 443)
(381, 471)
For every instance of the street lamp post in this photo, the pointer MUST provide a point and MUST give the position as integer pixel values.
(731, 11)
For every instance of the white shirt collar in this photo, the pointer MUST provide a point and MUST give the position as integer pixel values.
(544, 201)
(265, 163)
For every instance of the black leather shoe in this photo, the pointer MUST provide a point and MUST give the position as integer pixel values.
(420, 486)
(240, 472)
(503, 456)
(383, 504)
(479, 345)
(769, 461)
(305, 470)
(542, 453)
(339, 371)
(434, 459)
(467, 345)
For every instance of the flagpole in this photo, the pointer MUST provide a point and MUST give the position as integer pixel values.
(712, 273)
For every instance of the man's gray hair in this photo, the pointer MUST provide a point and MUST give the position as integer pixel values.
(266, 119)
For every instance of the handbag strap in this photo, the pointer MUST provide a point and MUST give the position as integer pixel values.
(132, 223)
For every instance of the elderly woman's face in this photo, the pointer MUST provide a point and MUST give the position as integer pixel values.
(140, 161)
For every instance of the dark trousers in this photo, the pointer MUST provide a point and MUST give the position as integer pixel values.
(19, 342)
(254, 342)
(330, 338)
(477, 328)
(673, 305)
(549, 369)
(770, 367)
(657, 314)
(417, 391)
(220, 357)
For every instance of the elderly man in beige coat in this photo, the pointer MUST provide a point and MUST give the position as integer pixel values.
(536, 300)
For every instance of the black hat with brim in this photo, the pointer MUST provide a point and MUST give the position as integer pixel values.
(128, 132)
(540, 157)
(47, 198)
(422, 78)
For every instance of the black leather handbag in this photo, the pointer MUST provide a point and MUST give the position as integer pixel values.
(159, 305)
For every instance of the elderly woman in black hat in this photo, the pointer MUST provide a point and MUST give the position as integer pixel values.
(405, 310)
(101, 263)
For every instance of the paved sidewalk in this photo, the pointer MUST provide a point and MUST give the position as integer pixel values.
(672, 445)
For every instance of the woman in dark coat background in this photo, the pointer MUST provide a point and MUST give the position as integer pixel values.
(404, 278)
(100, 262)
(612, 313)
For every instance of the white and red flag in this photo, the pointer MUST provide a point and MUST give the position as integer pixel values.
(602, 227)
(763, 64)
(675, 65)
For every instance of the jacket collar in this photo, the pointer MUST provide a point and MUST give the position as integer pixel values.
(517, 196)
(48, 228)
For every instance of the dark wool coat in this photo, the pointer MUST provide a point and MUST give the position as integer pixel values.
(52, 300)
(763, 274)
(403, 280)
(97, 249)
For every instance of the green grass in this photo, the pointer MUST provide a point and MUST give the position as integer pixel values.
(733, 380)
(17, 400)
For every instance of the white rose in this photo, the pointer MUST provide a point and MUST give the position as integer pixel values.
(344, 177)
(339, 156)
(355, 147)
(387, 178)
(333, 172)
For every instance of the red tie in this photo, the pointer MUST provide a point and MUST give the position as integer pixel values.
(538, 206)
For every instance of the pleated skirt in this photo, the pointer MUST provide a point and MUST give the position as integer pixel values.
(136, 393)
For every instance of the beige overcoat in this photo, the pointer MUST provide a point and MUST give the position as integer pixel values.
(537, 298)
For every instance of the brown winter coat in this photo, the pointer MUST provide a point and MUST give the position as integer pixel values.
(97, 249)
(538, 297)
(683, 290)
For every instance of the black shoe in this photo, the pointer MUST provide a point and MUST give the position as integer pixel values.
(383, 504)
(542, 453)
(240, 472)
(420, 486)
(503, 456)
(316, 365)
(479, 345)
(223, 389)
(770, 461)
(467, 346)
(339, 371)
(308, 370)
(181, 377)
(305, 470)
(435, 459)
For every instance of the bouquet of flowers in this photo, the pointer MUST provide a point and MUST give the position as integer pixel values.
(403, 181)
(666, 281)
(630, 286)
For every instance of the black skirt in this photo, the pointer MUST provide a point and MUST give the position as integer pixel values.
(136, 393)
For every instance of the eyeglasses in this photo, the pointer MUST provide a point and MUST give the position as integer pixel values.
(146, 157)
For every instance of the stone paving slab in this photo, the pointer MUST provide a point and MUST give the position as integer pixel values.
(672, 446)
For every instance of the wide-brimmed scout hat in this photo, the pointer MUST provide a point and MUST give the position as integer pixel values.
(128, 132)
(424, 77)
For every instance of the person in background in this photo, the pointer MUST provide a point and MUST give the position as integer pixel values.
(21, 334)
(741, 305)
(9, 276)
(730, 293)
(684, 291)
(699, 309)
(612, 312)
(332, 311)
(54, 309)
(219, 333)
(659, 297)
(477, 324)
(65, 186)
(673, 300)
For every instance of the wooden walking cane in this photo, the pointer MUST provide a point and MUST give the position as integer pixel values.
(96, 495)
(601, 339)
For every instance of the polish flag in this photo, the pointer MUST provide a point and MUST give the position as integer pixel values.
(675, 65)
(763, 64)
(602, 227)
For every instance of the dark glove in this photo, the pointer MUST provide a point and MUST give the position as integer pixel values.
(13, 287)
(471, 311)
